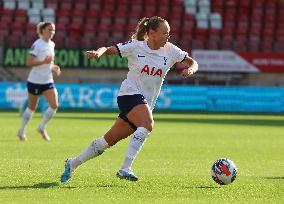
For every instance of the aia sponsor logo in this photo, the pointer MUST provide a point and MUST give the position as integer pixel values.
(152, 71)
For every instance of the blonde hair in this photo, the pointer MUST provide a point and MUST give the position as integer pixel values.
(41, 26)
(144, 25)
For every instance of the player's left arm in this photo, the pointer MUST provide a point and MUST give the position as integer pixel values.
(55, 68)
(102, 51)
(191, 67)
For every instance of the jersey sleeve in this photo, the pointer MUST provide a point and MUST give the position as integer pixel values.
(126, 49)
(177, 54)
(34, 50)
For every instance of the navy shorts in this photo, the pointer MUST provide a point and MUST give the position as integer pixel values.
(37, 89)
(126, 103)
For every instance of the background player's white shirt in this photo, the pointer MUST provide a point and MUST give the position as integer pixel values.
(41, 74)
(147, 68)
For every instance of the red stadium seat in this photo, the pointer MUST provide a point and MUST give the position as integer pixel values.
(164, 3)
(244, 3)
(13, 41)
(73, 42)
(225, 44)
(266, 46)
(4, 33)
(258, 4)
(150, 2)
(78, 12)
(100, 42)
(198, 44)
(217, 9)
(92, 14)
(269, 16)
(214, 34)
(21, 19)
(63, 20)
(122, 9)
(231, 4)
(121, 21)
(213, 44)
(28, 40)
(94, 5)
(253, 46)
(80, 4)
(218, 3)
(87, 42)
(121, 2)
(7, 19)
(52, 4)
(91, 21)
(105, 21)
(64, 12)
(66, 4)
(18, 26)
(59, 41)
(20, 12)
(77, 20)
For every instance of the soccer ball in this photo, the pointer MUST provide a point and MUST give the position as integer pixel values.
(224, 171)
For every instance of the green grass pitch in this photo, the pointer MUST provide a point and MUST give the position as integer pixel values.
(173, 166)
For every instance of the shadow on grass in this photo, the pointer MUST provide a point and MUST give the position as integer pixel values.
(110, 186)
(226, 121)
(202, 187)
(256, 121)
(35, 186)
(274, 177)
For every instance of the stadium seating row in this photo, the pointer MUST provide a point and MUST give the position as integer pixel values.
(241, 25)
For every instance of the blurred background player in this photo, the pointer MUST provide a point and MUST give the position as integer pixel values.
(40, 79)
(150, 56)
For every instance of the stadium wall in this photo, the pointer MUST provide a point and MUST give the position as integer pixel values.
(172, 98)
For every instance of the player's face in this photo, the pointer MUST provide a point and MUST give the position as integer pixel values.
(162, 34)
(49, 31)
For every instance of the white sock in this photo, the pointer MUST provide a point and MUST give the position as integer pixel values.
(136, 142)
(96, 148)
(48, 114)
(26, 117)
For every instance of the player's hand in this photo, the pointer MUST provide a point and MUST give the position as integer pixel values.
(187, 72)
(56, 69)
(47, 60)
(92, 54)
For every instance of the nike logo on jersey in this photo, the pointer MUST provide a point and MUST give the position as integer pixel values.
(152, 71)
(141, 56)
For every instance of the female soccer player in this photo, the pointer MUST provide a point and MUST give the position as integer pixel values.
(40, 79)
(150, 57)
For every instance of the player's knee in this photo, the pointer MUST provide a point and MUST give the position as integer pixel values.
(54, 106)
(149, 125)
(32, 108)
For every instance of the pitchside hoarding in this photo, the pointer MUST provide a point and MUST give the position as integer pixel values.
(173, 98)
(71, 58)
(208, 60)
(230, 61)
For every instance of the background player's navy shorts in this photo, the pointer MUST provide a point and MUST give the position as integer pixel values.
(126, 103)
(37, 89)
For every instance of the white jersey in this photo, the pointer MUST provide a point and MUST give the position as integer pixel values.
(147, 68)
(41, 74)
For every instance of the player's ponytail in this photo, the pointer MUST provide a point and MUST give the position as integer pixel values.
(140, 31)
(144, 25)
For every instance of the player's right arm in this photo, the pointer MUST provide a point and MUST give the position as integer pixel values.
(32, 61)
(102, 51)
